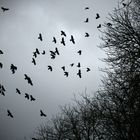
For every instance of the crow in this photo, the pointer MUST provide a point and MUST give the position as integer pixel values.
(109, 24)
(4, 9)
(18, 91)
(72, 64)
(72, 39)
(79, 65)
(42, 114)
(79, 52)
(50, 68)
(63, 68)
(54, 40)
(63, 33)
(32, 98)
(99, 26)
(37, 51)
(1, 52)
(35, 54)
(9, 114)
(40, 37)
(13, 68)
(86, 34)
(66, 73)
(124, 4)
(87, 20)
(2, 90)
(88, 69)
(28, 79)
(27, 96)
(97, 16)
(43, 53)
(33, 61)
(86, 8)
(1, 65)
(56, 51)
(63, 41)
(79, 74)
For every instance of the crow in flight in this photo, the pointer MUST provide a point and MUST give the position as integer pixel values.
(86, 34)
(79, 52)
(63, 33)
(72, 64)
(18, 91)
(66, 73)
(4, 9)
(28, 79)
(40, 37)
(63, 68)
(97, 16)
(33, 61)
(86, 20)
(13, 68)
(43, 53)
(9, 114)
(124, 4)
(72, 39)
(2, 90)
(42, 114)
(50, 68)
(99, 26)
(63, 41)
(109, 24)
(86, 8)
(27, 96)
(54, 40)
(1, 52)
(79, 74)
(88, 69)
(35, 54)
(79, 65)
(37, 51)
(1, 65)
(56, 51)
(32, 98)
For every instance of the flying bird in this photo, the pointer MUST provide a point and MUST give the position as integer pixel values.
(86, 8)
(33, 61)
(56, 51)
(54, 40)
(66, 73)
(53, 56)
(42, 114)
(87, 20)
(2, 90)
(99, 26)
(1, 52)
(72, 39)
(86, 34)
(35, 54)
(28, 79)
(124, 4)
(79, 74)
(88, 69)
(13, 68)
(40, 37)
(43, 53)
(109, 24)
(63, 68)
(27, 96)
(79, 65)
(50, 68)
(63, 33)
(97, 16)
(32, 98)
(1, 65)
(37, 51)
(63, 41)
(79, 52)
(4, 9)
(18, 91)
(9, 114)
(72, 64)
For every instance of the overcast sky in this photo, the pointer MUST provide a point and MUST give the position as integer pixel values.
(19, 29)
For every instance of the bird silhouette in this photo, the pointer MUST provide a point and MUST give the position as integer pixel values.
(50, 68)
(18, 91)
(37, 51)
(54, 40)
(27, 96)
(79, 74)
(13, 68)
(63, 68)
(43, 53)
(63, 41)
(53, 56)
(35, 54)
(72, 39)
(109, 24)
(1, 52)
(66, 73)
(9, 114)
(40, 37)
(86, 34)
(2, 93)
(2, 90)
(72, 64)
(97, 16)
(42, 114)
(79, 52)
(4, 9)
(78, 65)
(33, 61)
(28, 79)
(1, 65)
(88, 69)
(32, 98)
(87, 20)
(86, 8)
(63, 33)
(56, 51)
(124, 4)
(34, 139)
(99, 26)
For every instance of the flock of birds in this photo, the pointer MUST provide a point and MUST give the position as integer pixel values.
(53, 55)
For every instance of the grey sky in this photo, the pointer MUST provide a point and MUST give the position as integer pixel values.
(19, 29)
